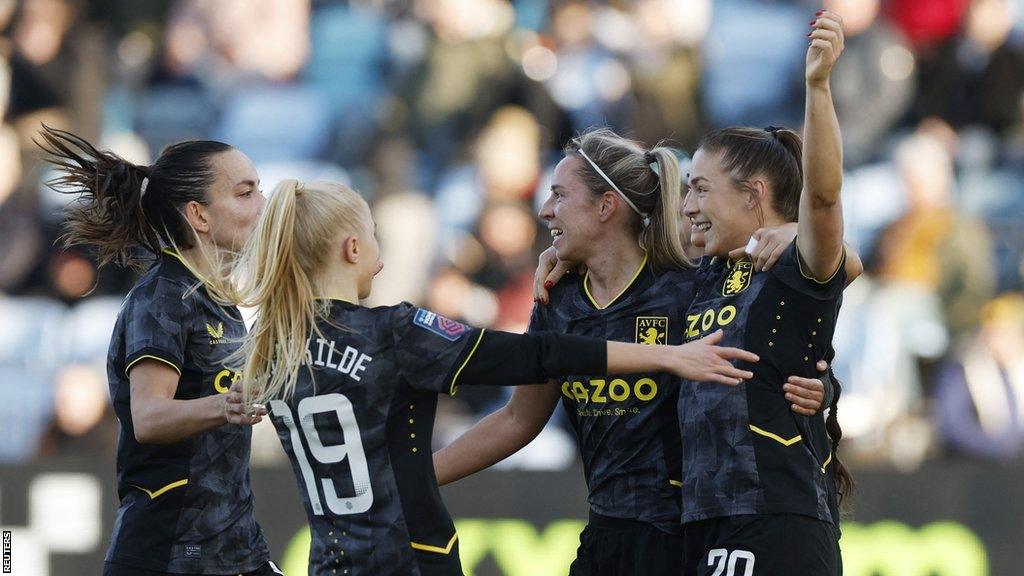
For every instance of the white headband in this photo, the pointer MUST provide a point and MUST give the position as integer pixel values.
(645, 217)
(142, 189)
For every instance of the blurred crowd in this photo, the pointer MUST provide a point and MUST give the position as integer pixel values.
(448, 115)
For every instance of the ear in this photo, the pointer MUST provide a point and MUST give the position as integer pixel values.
(608, 204)
(758, 194)
(350, 249)
(195, 214)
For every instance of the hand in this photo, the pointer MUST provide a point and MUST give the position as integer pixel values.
(549, 271)
(705, 361)
(236, 413)
(771, 243)
(806, 394)
(827, 43)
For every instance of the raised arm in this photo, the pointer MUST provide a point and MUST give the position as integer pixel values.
(499, 435)
(820, 237)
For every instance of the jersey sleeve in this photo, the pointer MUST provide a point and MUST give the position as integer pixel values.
(427, 347)
(792, 272)
(157, 321)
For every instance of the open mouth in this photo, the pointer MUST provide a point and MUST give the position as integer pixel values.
(556, 232)
(701, 226)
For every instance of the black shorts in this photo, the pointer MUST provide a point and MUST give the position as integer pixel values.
(111, 569)
(762, 545)
(620, 547)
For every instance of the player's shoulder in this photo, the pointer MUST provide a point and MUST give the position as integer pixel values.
(160, 289)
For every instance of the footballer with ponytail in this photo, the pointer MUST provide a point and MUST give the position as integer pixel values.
(183, 431)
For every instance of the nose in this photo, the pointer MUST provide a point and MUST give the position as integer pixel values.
(546, 212)
(690, 208)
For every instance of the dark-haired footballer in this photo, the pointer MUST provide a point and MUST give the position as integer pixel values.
(186, 504)
(760, 483)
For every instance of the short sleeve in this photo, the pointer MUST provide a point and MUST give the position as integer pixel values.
(157, 318)
(429, 347)
(791, 271)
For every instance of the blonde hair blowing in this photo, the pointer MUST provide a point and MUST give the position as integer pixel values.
(658, 194)
(280, 265)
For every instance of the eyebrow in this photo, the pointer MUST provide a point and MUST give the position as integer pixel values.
(695, 179)
(558, 186)
(252, 183)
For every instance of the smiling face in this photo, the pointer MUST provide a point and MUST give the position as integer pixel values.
(720, 212)
(572, 212)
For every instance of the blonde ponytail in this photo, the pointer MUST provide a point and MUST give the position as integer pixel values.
(280, 265)
(661, 239)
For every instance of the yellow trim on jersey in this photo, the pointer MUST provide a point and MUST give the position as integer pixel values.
(776, 437)
(800, 265)
(187, 266)
(675, 482)
(149, 357)
(586, 289)
(827, 462)
(154, 494)
(451, 389)
(428, 548)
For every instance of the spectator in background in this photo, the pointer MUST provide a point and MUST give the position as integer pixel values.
(665, 67)
(83, 422)
(407, 228)
(507, 166)
(877, 61)
(979, 397)
(977, 78)
(934, 245)
(465, 73)
(268, 39)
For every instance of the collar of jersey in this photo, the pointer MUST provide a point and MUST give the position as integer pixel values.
(586, 288)
(342, 300)
(188, 269)
(729, 263)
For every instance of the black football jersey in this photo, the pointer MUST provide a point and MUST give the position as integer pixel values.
(185, 507)
(626, 426)
(358, 431)
(744, 450)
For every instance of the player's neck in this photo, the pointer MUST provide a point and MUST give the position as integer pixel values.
(610, 271)
(338, 285)
(202, 261)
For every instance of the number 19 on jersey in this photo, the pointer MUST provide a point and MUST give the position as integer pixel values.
(352, 449)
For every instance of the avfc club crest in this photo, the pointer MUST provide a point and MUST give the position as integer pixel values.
(652, 330)
(738, 280)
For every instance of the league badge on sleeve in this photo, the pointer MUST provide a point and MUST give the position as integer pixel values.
(449, 329)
